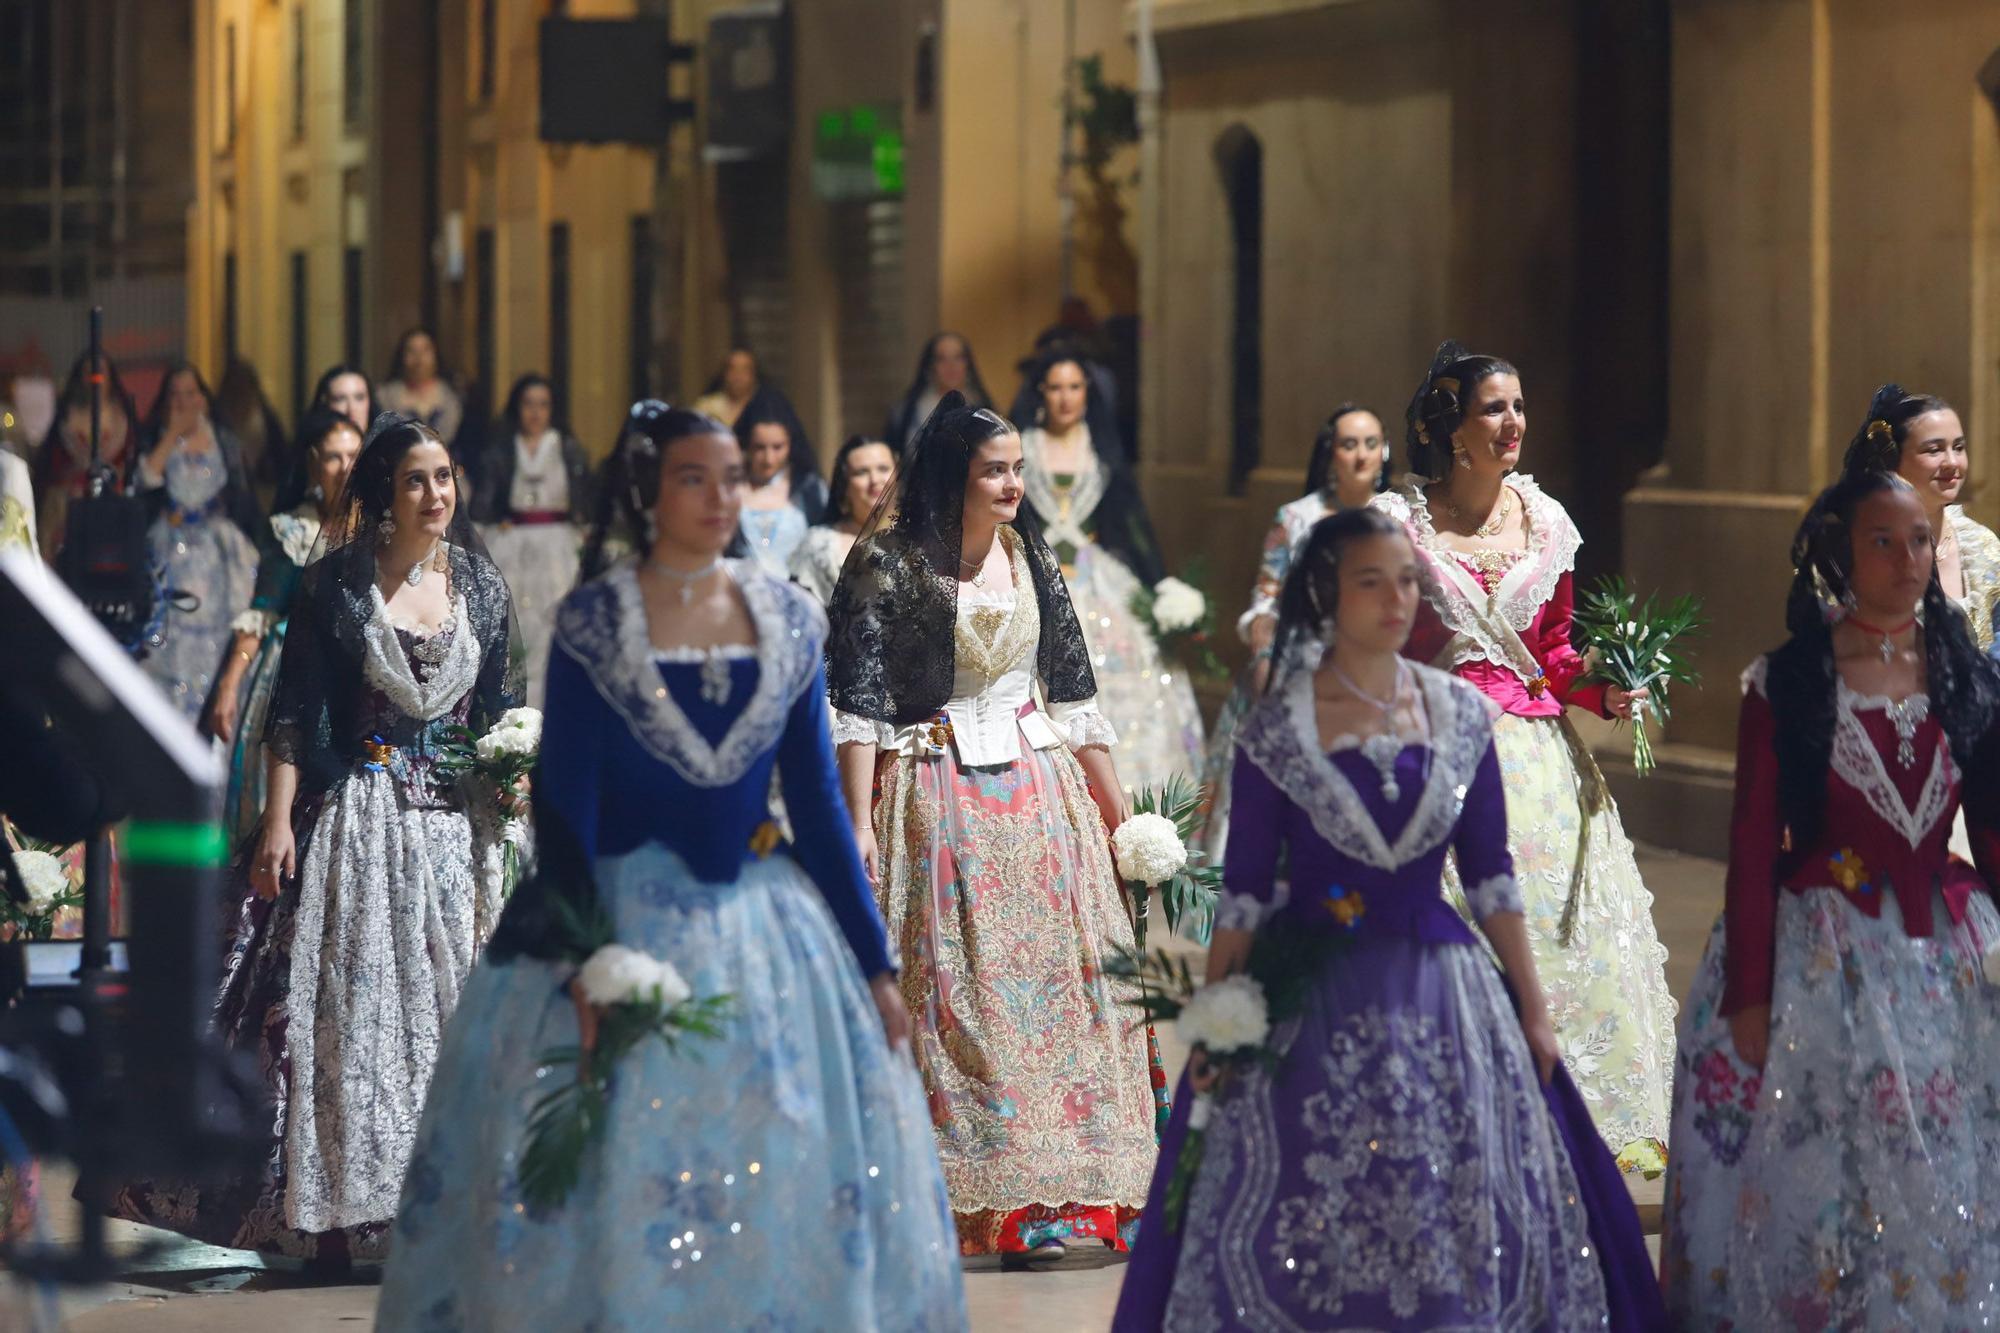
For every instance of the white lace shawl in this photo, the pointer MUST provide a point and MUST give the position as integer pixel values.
(603, 628)
(1282, 739)
(1858, 761)
(388, 669)
(1086, 492)
(1458, 598)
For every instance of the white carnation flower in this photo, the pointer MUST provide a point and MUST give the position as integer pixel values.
(1149, 850)
(1177, 606)
(528, 720)
(616, 974)
(499, 743)
(1991, 965)
(43, 876)
(1226, 1015)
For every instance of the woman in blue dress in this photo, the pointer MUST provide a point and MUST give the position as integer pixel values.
(783, 1174)
(1416, 1157)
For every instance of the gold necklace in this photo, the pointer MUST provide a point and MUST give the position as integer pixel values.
(1492, 526)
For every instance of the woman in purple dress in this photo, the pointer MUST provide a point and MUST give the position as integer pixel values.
(1416, 1157)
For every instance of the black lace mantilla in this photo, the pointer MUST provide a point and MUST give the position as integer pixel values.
(891, 649)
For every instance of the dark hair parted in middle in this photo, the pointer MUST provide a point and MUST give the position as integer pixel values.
(1319, 470)
(1963, 684)
(1438, 408)
(632, 475)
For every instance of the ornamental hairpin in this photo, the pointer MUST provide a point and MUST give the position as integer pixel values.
(1879, 431)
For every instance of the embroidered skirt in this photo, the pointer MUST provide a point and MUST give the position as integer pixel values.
(1400, 1168)
(775, 1177)
(341, 986)
(539, 562)
(999, 893)
(1853, 1183)
(1607, 985)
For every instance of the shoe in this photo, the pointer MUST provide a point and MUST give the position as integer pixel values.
(1047, 1252)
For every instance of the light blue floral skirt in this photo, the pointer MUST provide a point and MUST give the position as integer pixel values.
(782, 1177)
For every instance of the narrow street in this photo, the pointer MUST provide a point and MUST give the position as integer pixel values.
(200, 1289)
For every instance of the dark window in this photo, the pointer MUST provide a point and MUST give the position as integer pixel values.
(559, 312)
(229, 307)
(299, 73)
(229, 85)
(489, 46)
(301, 319)
(350, 282)
(641, 349)
(482, 310)
(1240, 159)
(353, 63)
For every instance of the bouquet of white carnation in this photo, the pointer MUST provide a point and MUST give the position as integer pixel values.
(632, 996)
(50, 888)
(1230, 1020)
(502, 758)
(1154, 849)
(1178, 613)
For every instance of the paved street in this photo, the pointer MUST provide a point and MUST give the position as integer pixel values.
(221, 1291)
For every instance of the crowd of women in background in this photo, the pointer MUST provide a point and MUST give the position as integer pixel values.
(918, 668)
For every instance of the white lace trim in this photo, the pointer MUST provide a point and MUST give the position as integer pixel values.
(1240, 911)
(727, 652)
(1084, 724)
(1459, 599)
(1284, 744)
(388, 669)
(297, 533)
(1753, 676)
(1495, 893)
(603, 628)
(854, 729)
(1857, 762)
(1084, 496)
(253, 621)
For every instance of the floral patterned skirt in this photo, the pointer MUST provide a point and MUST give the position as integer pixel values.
(1855, 1182)
(1607, 985)
(211, 561)
(1148, 699)
(999, 894)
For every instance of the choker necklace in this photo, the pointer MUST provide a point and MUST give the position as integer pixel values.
(1384, 748)
(1886, 635)
(686, 578)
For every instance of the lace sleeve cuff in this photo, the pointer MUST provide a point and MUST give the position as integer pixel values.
(1495, 893)
(253, 621)
(853, 729)
(1239, 911)
(1084, 725)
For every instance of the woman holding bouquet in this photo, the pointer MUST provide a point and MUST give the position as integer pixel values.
(1415, 1155)
(1837, 1096)
(779, 1174)
(1083, 500)
(376, 877)
(1498, 553)
(982, 818)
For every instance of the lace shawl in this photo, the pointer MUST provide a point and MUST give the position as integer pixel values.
(1281, 737)
(891, 653)
(602, 626)
(1457, 596)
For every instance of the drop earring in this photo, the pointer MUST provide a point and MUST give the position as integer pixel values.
(385, 530)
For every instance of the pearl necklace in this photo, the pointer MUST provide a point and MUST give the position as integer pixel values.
(1384, 748)
(686, 578)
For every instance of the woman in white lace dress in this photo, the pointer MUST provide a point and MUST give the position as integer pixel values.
(1499, 554)
(863, 472)
(376, 877)
(1082, 498)
(532, 507)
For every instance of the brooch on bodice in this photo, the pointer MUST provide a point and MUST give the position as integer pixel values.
(939, 732)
